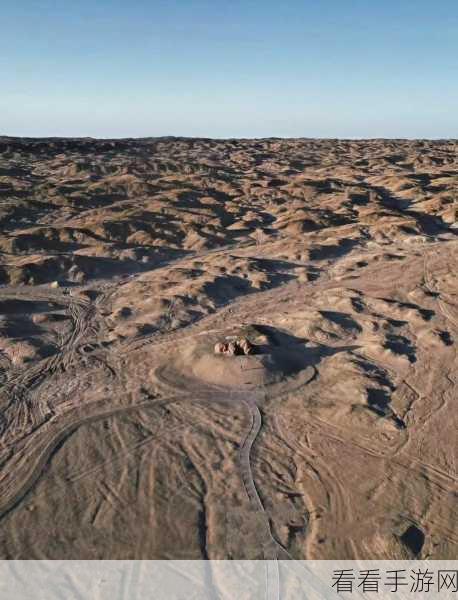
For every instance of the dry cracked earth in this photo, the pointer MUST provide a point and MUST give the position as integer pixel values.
(122, 263)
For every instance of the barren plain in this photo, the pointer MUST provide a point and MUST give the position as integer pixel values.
(123, 263)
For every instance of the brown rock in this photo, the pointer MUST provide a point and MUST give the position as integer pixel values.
(245, 346)
(232, 349)
(220, 348)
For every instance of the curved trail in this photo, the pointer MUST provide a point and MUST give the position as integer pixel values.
(247, 474)
(19, 389)
(47, 450)
(272, 549)
(248, 400)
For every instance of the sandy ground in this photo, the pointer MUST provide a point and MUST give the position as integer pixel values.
(122, 263)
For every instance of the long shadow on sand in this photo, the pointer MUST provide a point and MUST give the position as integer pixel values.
(292, 352)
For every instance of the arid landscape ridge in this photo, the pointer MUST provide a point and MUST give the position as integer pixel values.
(124, 263)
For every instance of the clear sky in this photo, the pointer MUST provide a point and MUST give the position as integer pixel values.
(232, 68)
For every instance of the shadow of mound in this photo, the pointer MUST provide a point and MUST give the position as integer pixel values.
(283, 343)
(413, 539)
(275, 336)
(333, 251)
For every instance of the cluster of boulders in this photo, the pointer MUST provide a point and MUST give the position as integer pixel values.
(238, 347)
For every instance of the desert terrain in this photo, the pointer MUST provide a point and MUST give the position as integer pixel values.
(123, 435)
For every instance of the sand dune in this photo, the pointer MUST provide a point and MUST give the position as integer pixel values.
(123, 263)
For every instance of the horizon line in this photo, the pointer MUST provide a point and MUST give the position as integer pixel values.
(222, 139)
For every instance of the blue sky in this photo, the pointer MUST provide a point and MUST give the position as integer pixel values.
(236, 68)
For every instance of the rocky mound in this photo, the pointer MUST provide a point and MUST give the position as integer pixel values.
(269, 360)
